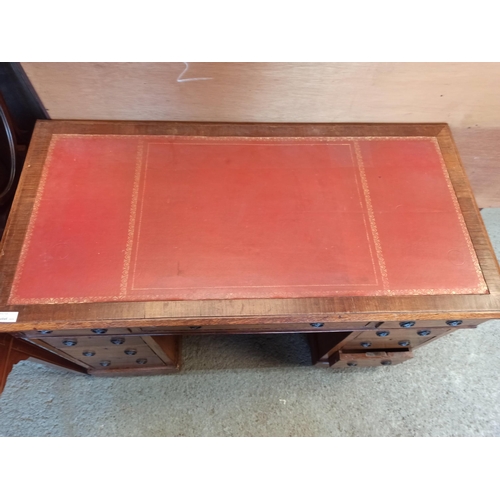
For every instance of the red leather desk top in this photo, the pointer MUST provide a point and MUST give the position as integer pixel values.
(128, 218)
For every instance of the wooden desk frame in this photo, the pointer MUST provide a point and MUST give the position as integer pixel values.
(338, 313)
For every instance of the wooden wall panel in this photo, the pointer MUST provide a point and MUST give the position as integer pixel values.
(480, 153)
(465, 95)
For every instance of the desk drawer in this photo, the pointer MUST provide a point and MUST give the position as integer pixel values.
(394, 339)
(91, 332)
(436, 323)
(134, 352)
(145, 358)
(70, 341)
(261, 328)
(341, 359)
(115, 353)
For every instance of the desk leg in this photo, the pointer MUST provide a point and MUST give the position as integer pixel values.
(13, 350)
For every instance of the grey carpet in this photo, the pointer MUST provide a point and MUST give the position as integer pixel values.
(263, 386)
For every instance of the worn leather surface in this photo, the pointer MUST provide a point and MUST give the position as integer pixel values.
(126, 218)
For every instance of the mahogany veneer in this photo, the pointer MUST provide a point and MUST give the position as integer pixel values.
(148, 231)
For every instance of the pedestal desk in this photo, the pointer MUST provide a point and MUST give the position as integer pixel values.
(126, 236)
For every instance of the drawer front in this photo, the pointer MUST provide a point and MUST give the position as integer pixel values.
(68, 341)
(393, 343)
(341, 359)
(133, 353)
(144, 359)
(440, 323)
(394, 339)
(94, 333)
(262, 328)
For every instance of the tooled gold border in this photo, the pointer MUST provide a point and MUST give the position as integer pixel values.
(371, 216)
(364, 217)
(139, 225)
(470, 246)
(13, 299)
(142, 298)
(232, 138)
(133, 288)
(132, 221)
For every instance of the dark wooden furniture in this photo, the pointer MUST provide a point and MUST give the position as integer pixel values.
(19, 110)
(126, 236)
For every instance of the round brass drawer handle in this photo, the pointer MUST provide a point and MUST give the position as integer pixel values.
(99, 330)
(407, 324)
(117, 340)
(141, 361)
(366, 344)
(317, 325)
(69, 342)
(44, 332)
(105, 363)
(383, 333)
(88, 353)
(130, 352)
(404, 343)
(454, 322)
(423, 333)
